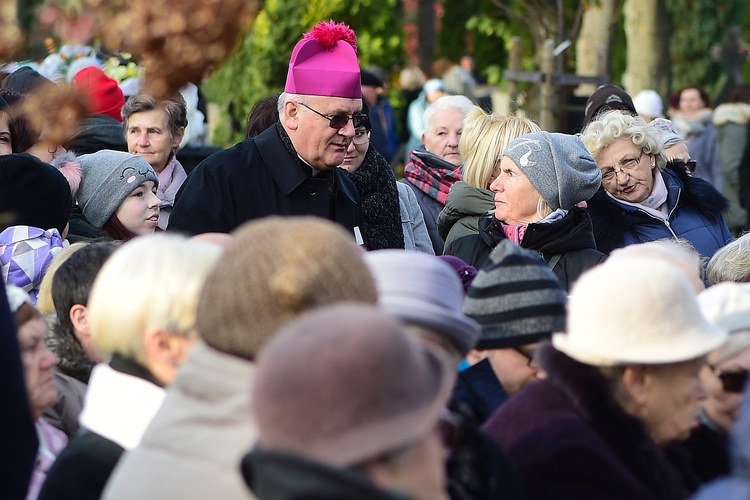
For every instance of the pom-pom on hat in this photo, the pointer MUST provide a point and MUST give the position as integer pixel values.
(104, 94)
(36, 193)
(108, 178)
(325, 63)
(558, 165)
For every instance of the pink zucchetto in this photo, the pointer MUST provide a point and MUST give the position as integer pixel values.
(325, 63)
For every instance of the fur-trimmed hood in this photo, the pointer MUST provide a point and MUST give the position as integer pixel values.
(71, 359)
(626, 435)
(736, 112)
(613, 220)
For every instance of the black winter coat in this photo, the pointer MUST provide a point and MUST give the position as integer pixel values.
(255, 178)
(570, 238)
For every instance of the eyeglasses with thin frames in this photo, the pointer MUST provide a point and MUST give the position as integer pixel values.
(361, 137)
(528, 355)
(609, 174)
(339, 120)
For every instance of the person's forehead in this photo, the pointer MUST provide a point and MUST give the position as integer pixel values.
(333, 105)
(450, 117)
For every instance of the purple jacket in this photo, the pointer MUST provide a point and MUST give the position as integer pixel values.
(570, 439)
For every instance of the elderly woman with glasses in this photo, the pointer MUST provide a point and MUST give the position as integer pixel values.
(724, 377)
(644, 197)
(391, 217)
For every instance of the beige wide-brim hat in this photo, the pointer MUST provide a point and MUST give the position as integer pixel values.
(638, 311)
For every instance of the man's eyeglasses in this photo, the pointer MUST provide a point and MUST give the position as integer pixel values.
(339, 120)
(688, 166)
(609, 174)
(731, 381)
(361, 137)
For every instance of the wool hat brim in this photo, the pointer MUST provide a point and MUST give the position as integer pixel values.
(693, 344)
(463, 331)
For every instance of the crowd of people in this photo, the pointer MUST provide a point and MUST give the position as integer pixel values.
(526, 314)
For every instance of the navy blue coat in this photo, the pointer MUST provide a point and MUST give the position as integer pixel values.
(695, 214)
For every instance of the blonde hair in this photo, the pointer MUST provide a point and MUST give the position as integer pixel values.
(45, 303)
(150, 282)
(610, 127)
(484, 138)
(730, 263)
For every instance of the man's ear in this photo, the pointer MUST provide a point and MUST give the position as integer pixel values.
(79, 319)
(290, 118)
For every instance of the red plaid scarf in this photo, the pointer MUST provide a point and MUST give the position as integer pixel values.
(431, 174)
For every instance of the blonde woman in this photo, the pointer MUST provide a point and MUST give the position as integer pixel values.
(485, 137)
(142, 314)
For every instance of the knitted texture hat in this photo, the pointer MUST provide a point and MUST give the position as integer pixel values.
(108, 178)
(103, 93)
(274, 269)
(648, 103)
(465, 272)
(515, 298)
(727, 305)
(667, 130)
(24, 80)
(325, 63)
(558, 165)
(346, 384)
(607, 98)
(36, 193)
(419, 288)
(662, 322)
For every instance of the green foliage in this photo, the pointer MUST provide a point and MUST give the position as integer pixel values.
(696, 26)
(258, 68)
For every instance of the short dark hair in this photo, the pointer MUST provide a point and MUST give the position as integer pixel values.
(263, 115)
(73, 280)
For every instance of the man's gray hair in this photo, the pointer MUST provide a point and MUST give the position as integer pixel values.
(285, 97)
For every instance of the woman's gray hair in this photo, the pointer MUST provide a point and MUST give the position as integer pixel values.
(174, 107)
(610, 127)
(731, 263)
(449, 102)
(285, 97)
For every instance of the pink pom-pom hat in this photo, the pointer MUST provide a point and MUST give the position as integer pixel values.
(325, 63)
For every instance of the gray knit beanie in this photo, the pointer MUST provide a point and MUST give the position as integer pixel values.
(108, 178)
(515, 298)
(558, 165)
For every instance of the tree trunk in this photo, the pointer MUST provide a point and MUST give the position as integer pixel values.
(426, 33)
(647, 30)
(594, 42)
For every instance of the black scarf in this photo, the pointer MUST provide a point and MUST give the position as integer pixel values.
(381, 215)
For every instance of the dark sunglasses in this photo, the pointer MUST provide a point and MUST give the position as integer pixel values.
(690, 165)
(339, 121)
(731, 381)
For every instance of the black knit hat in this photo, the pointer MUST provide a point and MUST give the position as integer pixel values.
(608, 97)
(516, 298)
(24, 80)
(36, 193)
